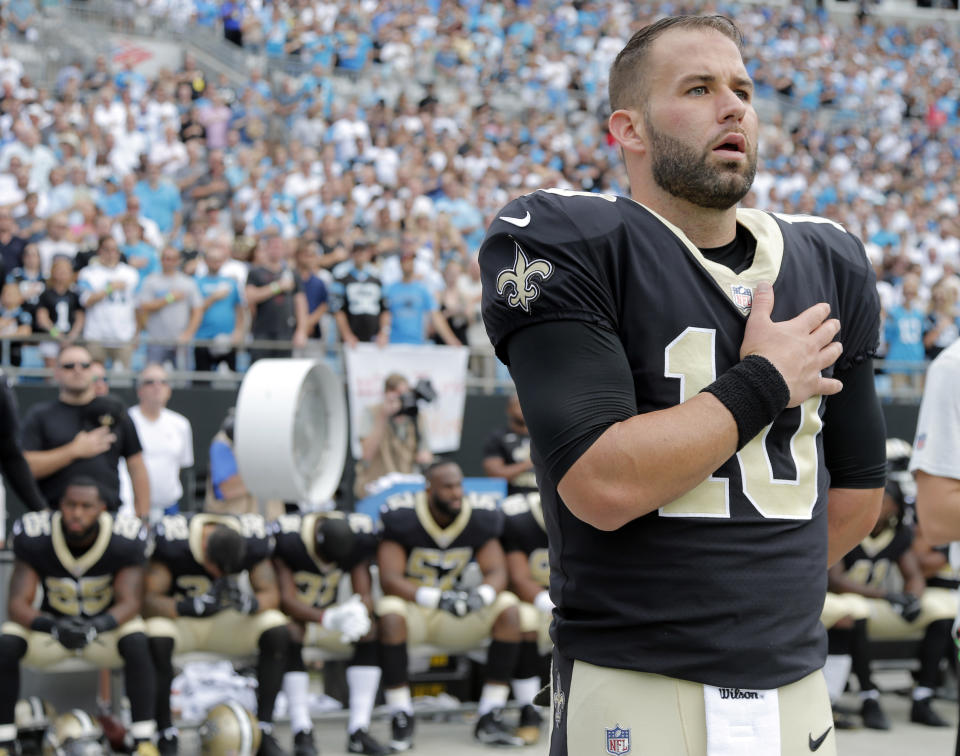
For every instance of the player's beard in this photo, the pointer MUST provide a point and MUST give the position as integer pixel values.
(683, 172)
(83, 537)
(447, 508)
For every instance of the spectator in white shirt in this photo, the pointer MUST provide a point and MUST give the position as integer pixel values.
(56, 242)
(108, 289)
(167, 440)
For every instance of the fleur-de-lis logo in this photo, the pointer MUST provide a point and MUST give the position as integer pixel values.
(520, 279)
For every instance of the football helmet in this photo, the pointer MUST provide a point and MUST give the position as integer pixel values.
(74, 733)
(33, 713)
(898, 462)
(229, 730)
(32, 716)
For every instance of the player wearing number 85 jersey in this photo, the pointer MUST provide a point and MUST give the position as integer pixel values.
(89, 564)
(677, 362)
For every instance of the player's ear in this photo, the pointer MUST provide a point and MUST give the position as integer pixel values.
(626, 126)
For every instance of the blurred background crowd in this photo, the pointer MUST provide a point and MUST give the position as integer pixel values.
(370, 143)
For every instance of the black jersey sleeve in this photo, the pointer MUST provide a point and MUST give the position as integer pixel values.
(129, 545)
(493, 446)
(16, 471)
(129, 438)
(574, 382)
(546, 257)
(854, 431)
(31, 534)
(859, 303)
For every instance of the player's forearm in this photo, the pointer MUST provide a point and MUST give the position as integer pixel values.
(155, 605)
(641, 464)
(938, 507)
(141, 485)
(267, 598)
(526, 588)
(21, 612)
(842, 584)
(496, 578)
(46, 463)
(296, 609)
(124, 611)
(851, 515)
(399, 586)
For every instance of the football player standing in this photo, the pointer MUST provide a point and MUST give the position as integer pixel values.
(90, 565)
(677, 361)
(936, 456)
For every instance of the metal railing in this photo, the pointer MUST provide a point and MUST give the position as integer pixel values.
(485, 375)
(897, 380)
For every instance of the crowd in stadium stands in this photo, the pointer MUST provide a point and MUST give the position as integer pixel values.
(290, 179)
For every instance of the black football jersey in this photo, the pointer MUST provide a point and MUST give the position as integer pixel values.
(673, 591)
(317, 581)
(871, 560)
(524, 530)
(62, 308)
(512, 448)
(78, 584)
(438, 556)
(178, 544)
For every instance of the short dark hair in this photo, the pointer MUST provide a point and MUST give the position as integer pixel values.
(436, 465)
(226, 549)
(84, 481)
(626, 85)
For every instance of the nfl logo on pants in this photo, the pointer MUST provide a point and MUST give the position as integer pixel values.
(618, 740)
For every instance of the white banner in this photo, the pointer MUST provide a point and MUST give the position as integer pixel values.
(445, 367)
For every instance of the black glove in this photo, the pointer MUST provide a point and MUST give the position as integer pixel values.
(206, 604)
(455, 602)
(474, 601)
(245, 603)
(906, 605)
(73, 632)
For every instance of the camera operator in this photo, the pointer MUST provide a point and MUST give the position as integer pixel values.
(393, 435)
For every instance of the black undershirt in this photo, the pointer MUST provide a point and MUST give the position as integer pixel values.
(736, 255)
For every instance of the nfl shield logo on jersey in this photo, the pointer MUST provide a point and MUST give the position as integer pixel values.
(618, 740)
(742, 296)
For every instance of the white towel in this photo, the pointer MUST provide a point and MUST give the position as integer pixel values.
(741, 721)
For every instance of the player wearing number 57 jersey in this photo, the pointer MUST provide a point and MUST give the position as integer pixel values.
(428, 540)
(89, 565)
(678, 363)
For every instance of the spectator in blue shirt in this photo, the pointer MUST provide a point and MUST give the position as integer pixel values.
(226, 491)
(307, 260)
(412, 306)
(231, 13)
(159, 201)
(903, 329)
(223, 319)
(139, 253)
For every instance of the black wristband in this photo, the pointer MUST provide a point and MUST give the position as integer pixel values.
(754, 392)
(43, 623)
(186, 608)
(104, 623)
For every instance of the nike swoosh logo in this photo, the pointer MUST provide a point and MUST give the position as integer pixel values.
(815, 744)
(521, 222)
